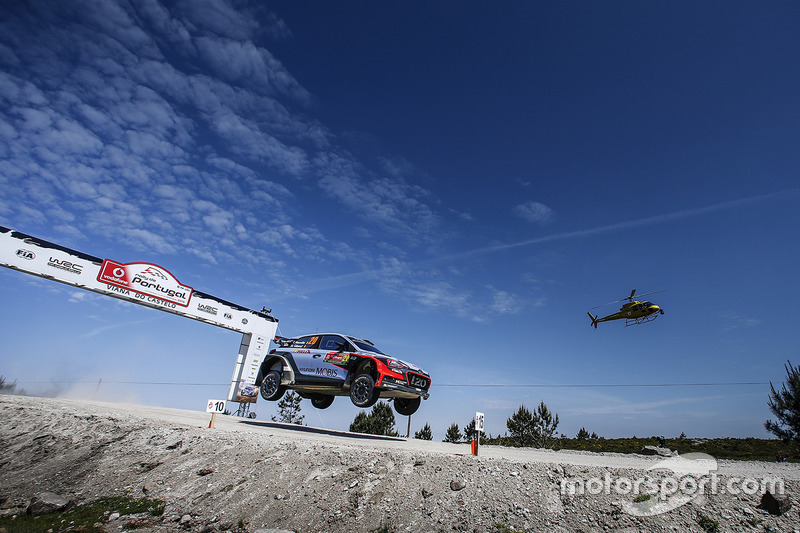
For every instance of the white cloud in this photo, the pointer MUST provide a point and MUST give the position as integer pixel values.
(534, 212)
(505, 303)
(124, 126)
(737, 321)
(391, 202)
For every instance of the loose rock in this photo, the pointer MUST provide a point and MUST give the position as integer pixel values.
(46, 502)
(775, 505)
(457, 485)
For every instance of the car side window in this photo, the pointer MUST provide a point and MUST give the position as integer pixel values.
(307, 342)
(333, 343)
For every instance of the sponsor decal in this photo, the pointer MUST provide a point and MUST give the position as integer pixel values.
(26, 254)
(244, 321)
(207, 309)
(328, 372)
(147, 282)
(227, 316)
(337, 358)
(67, 266)
(302, 351)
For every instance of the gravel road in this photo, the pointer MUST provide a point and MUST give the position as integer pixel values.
(252, 475)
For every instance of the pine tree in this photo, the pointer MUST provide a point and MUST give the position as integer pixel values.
(289, 409)
(785, 405)
(520, 426)
(425, 433)
(544, 425)
(582, 434)
(469, 431)
(453, 434)
(380, 421)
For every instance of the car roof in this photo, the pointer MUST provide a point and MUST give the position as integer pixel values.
(351, 337)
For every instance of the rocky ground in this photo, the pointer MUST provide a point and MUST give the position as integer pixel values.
(246, 475)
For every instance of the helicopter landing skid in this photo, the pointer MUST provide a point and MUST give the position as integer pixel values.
(641, 320)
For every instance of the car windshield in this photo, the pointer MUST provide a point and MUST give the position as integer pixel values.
(366, 346)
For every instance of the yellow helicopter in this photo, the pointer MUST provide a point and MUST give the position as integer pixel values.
(633, 312)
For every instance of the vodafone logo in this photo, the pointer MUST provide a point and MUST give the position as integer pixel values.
(119, 272)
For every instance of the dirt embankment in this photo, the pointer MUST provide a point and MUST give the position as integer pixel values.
(261, 475)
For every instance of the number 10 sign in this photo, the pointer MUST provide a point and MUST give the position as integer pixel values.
(215, 406)
(479, 422)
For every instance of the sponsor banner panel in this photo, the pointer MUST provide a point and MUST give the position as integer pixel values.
(142, 283)
(149, 285)
(30, 255)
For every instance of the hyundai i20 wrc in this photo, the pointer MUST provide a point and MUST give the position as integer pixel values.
(325, 365)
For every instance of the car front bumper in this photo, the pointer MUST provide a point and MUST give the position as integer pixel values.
(391, 384)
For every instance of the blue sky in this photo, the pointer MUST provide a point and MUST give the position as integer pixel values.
(459, 183)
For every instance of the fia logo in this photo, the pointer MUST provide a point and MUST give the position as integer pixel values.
(26, 254)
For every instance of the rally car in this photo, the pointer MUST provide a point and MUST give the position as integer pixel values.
(325, 365)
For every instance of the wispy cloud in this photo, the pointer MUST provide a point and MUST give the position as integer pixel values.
(737, 321)
(389, 201)
(173, 128)
(632, 224)
(617, 406)
(535, 212)
(400, 272)
(110, 327)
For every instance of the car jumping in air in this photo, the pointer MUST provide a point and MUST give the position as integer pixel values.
(325, 365)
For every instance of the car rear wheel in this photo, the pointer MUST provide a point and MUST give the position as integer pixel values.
(406, 406)
(322, 402)
(363, 392)
(271, 388)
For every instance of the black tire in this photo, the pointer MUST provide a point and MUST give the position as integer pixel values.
(271, 388)
(322, 402)
(363, 393)
(407, 406)
(251, 415)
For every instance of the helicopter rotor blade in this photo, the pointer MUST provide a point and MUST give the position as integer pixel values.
(609, 303)
(629, 298)
(649, 293)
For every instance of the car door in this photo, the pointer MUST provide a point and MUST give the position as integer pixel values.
(303, 352)
(331, 354)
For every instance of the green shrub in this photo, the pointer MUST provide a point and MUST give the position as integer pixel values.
(708, 524)
(84, 516)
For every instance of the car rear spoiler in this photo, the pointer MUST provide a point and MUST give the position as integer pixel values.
(282, 341)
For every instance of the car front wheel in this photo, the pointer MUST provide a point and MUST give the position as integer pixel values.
(271, 388)
(363, 392)
(406, 406)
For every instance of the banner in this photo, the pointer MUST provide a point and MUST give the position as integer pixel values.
(149, 285)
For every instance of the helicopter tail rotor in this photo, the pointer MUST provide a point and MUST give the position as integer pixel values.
(594, 319)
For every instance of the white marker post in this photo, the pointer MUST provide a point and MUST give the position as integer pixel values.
(478, 429)
(214, 407)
